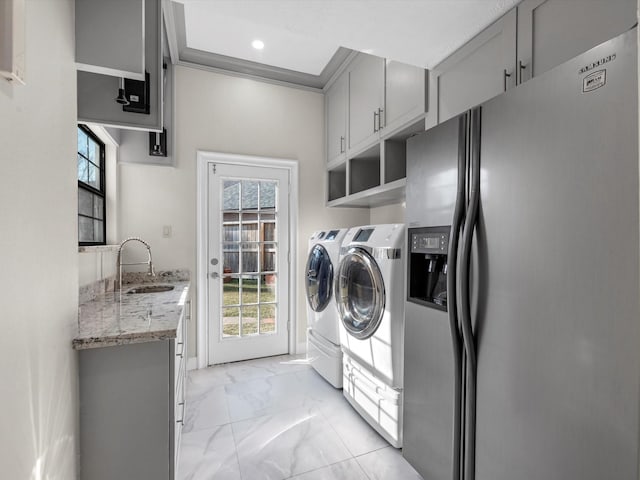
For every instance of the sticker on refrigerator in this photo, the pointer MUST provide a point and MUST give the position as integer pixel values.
(594, 80)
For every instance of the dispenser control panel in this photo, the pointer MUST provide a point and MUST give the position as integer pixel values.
(429, 242)
(427, 266)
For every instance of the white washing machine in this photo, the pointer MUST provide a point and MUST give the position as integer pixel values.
(370, 293)
(323, 337)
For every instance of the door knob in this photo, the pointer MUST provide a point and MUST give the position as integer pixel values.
(215, 274)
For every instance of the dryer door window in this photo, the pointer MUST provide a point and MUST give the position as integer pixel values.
(319, 278)
(360, 293)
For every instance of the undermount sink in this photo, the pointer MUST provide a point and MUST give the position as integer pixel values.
(151, 289)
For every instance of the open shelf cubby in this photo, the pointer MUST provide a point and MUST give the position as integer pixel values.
(364, 170)
(395, 160)
(337, 183)
(374, 176)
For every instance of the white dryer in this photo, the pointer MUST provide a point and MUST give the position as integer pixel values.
(323, 337)
(370, 292)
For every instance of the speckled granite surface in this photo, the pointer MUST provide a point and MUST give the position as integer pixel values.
(177, 275)
(86, 293)
(120, 318)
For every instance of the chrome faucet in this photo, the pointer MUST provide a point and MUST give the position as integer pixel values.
(119, 264)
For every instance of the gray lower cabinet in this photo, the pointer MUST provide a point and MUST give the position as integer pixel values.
(131, 410)
(480, 70)
(550, 32)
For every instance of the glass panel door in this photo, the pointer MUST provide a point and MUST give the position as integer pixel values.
(248, 233)
(249, 278)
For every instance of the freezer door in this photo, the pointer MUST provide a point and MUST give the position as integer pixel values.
(432, 169)
(429, 368)
(428, 392)
(557, 319)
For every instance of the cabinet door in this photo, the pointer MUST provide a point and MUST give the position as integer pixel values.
(550, 32)
(126, 405)
(336, 105)
(405, 93)
(110, 37)
(97, 92)
(480, 70)
(366, 97)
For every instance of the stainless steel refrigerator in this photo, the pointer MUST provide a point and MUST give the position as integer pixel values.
(522, 317)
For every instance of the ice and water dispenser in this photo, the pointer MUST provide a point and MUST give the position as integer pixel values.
(427, 266)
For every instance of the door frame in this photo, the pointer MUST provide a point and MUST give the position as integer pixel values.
(203, 159)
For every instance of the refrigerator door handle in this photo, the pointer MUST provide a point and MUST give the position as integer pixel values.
(452, 282)
(465, 308)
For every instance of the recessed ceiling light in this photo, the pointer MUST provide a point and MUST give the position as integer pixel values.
(257, 44)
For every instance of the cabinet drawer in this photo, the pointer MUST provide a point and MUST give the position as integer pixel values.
(179, 363)
(179, 411)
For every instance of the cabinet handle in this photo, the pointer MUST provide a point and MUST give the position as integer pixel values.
(341, 144)
(181, 404)
(181, 351)
(380, 111)
(506, 76)
(375, 128)
(521, 67)
(188, 309)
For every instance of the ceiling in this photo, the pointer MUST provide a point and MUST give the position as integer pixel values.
(307, 40)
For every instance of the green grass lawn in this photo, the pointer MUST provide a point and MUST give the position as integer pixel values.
(231, 314)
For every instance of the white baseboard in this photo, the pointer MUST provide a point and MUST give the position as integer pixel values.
(301, 348)
(192, 363)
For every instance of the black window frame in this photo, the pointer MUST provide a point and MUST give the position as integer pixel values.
(102, 192)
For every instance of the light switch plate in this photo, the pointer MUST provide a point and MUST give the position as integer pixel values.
(166, 231)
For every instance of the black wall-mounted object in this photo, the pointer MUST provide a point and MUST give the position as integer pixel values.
(138, 94)
(158, 143)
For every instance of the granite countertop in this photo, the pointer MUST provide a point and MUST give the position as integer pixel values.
(120, 318)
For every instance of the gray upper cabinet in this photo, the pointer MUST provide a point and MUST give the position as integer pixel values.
(480, 70)
(546, 33)
(384, 102)
(551, 32)
(336, 118)
(405, 94)
(118, 24)
(366, 100)
(97, 91)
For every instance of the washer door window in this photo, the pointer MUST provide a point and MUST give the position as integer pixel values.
(319, 278)
(360, 293)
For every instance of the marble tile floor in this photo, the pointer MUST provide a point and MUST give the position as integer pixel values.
(275, 419)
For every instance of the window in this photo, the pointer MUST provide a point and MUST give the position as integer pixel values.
(91, 188)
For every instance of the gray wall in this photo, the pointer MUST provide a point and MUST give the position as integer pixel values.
(222, 113)
(38, 241)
